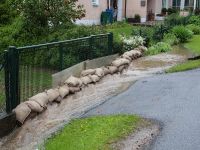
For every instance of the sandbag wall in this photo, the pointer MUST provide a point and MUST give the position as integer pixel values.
(39, 103)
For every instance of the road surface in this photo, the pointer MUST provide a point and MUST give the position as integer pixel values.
(173, 99)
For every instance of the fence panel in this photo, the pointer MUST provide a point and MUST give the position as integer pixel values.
(30, 68)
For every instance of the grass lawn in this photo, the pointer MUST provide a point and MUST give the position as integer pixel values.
(194, 44)
(93, 133)
(193, 64)
(32, 82)
(126, 30)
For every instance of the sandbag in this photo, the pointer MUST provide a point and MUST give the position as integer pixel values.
(94, 78)
(73, 90)
(119, 62)
(41, 98)
(106, 71)
(52, 94)
(59, 99)
(129, 54)
(63, 91)
(99, 72)
(34, 106)
(73, 81)
(112, 69)
(121, 68)
(142, 49)
(126, 57)
(87, 72)
(22, 111)
(137, 53)
(86, 80)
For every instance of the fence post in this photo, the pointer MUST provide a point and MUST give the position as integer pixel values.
(12, 78)
(91, 41)
(110, 43)
(61, 59)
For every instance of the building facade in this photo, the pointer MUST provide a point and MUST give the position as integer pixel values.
(128, 8)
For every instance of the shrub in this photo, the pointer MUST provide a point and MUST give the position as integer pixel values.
(160, 47)
(147, 33)
(176, 19)
(137, 18)
(171, 11)
(182, 33)
(130, 43)
(164, 11)
(194, 28)
(195, 20)
(170, 38)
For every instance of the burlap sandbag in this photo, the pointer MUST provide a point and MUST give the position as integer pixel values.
(52, 94)
(99, 72)
(73, 90)
(136, 53)
(86, 80)
(87, 72)
(73, 81)
(121, 68)
(94, 78)
(126, 57)
(142, 49)
(41, 98)
(22, 111)
(34, 106)
(129, 54)
(119, 62)
(106, 71)
(112, 69)
(59, 99)
(63, 91)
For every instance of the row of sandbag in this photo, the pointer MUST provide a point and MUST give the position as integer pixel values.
(38, 103)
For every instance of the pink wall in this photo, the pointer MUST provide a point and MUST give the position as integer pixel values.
(134, 7)
(93, 12)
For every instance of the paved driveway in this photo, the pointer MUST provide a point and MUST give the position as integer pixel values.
(173, 99)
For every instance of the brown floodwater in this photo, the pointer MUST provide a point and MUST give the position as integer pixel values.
(35, 130)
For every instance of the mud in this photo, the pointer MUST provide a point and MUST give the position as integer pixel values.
(141, 138)
(35, 130)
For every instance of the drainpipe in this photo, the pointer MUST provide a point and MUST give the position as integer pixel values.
(125, 7)
(109, 4)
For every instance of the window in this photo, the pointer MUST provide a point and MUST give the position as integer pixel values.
(164, 3)
(176, 3)
(198, 3)
(189, 3)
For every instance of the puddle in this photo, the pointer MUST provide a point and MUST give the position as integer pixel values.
(35, 130)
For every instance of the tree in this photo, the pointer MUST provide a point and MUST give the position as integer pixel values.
(6, 12)
(49, 14)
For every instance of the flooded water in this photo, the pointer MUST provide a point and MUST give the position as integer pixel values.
(34, 132)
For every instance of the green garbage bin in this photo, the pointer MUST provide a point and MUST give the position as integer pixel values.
(106, 17)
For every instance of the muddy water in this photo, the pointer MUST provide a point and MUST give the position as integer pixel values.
(35, 130)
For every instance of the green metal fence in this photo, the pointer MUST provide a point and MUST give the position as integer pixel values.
(29, 69)
(2, 84)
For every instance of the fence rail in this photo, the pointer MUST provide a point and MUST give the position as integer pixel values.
(28, 69)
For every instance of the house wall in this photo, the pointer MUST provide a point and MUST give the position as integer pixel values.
(93, 13)
(134, 7)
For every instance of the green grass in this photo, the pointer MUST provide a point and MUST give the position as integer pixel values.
(32, 82)
(126, 30)
(194, 44)
(95, 133)
(193, 64)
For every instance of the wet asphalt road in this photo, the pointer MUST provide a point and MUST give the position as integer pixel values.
(173, 99)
